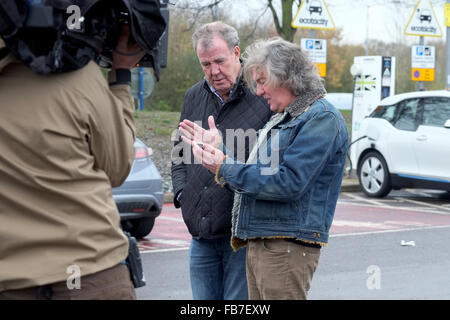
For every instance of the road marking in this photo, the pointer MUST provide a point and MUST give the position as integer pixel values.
(373, 202)
(415, 209)
(360, 224)
(331, 236)
(170, 219)
(426, 204)
(351, 234)
(385, 231)
(165, 250)
(171, 233)
(170, 242)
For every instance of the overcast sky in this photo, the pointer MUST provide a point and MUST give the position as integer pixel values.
(386, 20)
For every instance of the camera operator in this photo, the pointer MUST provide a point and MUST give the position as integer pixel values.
(65, 139)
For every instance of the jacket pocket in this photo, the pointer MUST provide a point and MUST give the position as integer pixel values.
(274, 212)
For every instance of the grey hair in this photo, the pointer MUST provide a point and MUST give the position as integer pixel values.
(207, 32)
(285, 64)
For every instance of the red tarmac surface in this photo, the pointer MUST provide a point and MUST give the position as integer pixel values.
(170, 232)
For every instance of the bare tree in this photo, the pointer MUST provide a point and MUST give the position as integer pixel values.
(283, 23)
(281, 13)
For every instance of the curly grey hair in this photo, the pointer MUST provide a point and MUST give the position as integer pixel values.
(285, 65)
(208, 31)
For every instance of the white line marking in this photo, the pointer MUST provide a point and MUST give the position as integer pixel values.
(331, 236)
(385, 231)
(360, 224)
(427, 204)
(415, 209)
(171, 242)
(165, 250)
(170, 219)
(373, 202)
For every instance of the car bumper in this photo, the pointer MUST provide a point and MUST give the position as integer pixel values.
(137, 206)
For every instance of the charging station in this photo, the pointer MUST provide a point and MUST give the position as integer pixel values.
(374, 80)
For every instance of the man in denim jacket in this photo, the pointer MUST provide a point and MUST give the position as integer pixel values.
(286, 192)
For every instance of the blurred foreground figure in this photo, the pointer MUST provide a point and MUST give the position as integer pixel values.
(66, 137)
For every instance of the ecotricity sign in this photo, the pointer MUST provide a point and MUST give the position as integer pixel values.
(423, 21)
(313, 14)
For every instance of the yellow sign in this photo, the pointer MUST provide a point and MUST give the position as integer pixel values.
(422, 74)
(313, 15)
(447, 14)
(322, 69)
(423, 21)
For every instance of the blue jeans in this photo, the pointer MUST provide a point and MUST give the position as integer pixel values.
(217, 273)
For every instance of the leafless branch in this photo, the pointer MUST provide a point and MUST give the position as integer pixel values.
(199, 8)
(274, 14)
(197, 11)
(251, 34)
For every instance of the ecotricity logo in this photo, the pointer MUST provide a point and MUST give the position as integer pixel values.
(315, 10)
(313, 14)
(318, 22)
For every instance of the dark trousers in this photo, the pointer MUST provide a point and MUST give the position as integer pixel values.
(110, 284)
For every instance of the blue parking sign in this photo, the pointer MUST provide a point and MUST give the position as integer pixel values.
(419, 51)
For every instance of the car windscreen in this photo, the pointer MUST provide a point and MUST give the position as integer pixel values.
(384, 112)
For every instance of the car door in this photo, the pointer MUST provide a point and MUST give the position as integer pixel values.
(402, 158)
(432, 142)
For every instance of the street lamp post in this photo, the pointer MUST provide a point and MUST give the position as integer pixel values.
(367, 29)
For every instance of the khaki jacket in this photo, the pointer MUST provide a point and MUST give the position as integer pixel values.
(64, 140)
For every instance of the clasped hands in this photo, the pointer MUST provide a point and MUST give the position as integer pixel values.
(204, 143)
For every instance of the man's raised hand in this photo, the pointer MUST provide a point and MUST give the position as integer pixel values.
(196, 133)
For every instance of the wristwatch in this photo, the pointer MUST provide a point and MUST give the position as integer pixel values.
(119, 76)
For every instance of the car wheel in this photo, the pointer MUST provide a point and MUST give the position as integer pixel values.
(139, 228)
(373, 175)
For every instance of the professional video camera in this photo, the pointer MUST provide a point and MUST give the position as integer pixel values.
(54, 36)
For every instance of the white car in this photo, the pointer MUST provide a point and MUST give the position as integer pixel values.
(405, 143)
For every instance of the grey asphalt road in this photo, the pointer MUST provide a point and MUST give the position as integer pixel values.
(371, 266)
(377, 266)
(167, 276)
(355, 265)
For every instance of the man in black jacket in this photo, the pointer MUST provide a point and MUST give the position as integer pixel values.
(216, 272)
